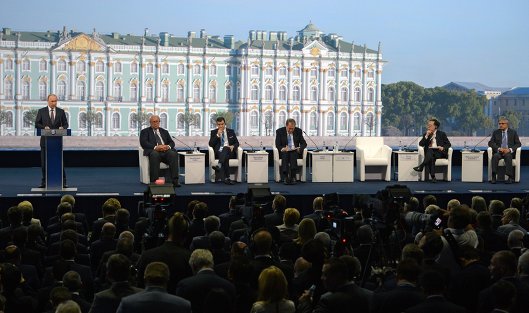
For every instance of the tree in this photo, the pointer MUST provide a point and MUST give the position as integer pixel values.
(514, 118)
(4, 117)
(89, 118)
(30, 116)
(190, 119)
(228, 117)
(140, 119)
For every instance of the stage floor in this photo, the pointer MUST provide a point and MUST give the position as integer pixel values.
(124, 181)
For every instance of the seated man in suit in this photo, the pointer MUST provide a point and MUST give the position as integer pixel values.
(225, 144)
(436, 145)
(504, 142)
(158, 145)
(290, 144)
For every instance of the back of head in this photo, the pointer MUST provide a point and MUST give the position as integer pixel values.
(108, 231)
(122, 217)
(511, 215)
(68, 198)
(68, 306)
(69, 225)
(408, 269)
(335, 271)
(515, 239)
(178, 227)
(27, 211)
(458, 218)
(200, 259)
(20, 236)
(191, 207)
(484, 220)
(110, 206)
(72, 281)
(70, 234)
(64, 207)
(200, 210)
(14, 216)
(125, 245)
(59, 295)
(317, 204)
(516, 203)
(279, 203)
(453, 204)
(272, 285)
(306, 230)
(240, 269)
(523, 264)
(291, 217)
(156, 274)
(211, 224)
(262, 240)
(479, 204)
(365, 234)
(34, 231)
(354, 267)
(412, 205)
(217, 240)
(68, 251)
(314, 252)
(12, 254)
(428, 199)
(118, 267)
(503, 264)
(412, 251)
(496, 207)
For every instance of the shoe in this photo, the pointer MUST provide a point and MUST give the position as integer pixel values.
(493, 179)
(228, 181)
(434, 180)
(176, 184)
(418, 168)
(216, 167)
(509, 180)
(285, 181)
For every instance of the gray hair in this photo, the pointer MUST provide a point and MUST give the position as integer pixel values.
(523, 263)
(201, 258)
(68, 306)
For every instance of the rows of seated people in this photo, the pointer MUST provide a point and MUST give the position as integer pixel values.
(430, 258)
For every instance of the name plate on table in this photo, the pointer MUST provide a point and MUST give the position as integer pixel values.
(259, 157)
(195, 159)
(343, 157)
(321, 157)
(472, 157)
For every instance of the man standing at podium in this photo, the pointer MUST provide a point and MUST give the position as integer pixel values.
(50, 117)
(225, 144)
(290, 144)
(504, 142)
(158, 145)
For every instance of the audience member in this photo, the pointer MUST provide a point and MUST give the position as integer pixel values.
(273, 293)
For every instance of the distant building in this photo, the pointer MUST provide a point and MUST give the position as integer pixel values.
(109, 84)
(515, 100)
(489, 92)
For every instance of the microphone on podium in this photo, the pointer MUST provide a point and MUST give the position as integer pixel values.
(407, 147)
(317, 148)
(253, 150)
(180, 141)
(475, 149)
(345, 146)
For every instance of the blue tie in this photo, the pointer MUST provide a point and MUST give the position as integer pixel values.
(504, 140)
(221, 140)
(290, 144)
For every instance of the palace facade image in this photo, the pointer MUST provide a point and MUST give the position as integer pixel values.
(110, 84)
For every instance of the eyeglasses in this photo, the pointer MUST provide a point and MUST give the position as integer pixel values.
(502, 123)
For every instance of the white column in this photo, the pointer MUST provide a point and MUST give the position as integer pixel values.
(110, 78)
(53, 65)
(189, 77)
(364, 99)
(2, 78)
(72, 78)
(91, 79)
(323, 84)
(157, 73)
(378, 100)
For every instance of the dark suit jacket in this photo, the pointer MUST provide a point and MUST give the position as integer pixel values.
(441, 140)
(97, 225)
(214, 141)
(436, 304)
(148, 140)
(397, 300)
(273, 219)
(175, 256)
(98, 247)
(107, 301)
(153, 299)
(79, 217)
(346, 297)
(196, 288)
(513, 141)
(43, 120)
(84, 271)
(282, 140)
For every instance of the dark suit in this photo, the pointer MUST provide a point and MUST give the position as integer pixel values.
(196, 288)
(289, 159)
(170, 157)
(513, 143)
(436, 304)
(345, 297)
(42, 121)
(175, 256)
(397, 300)
(224, 154)
(153, 299)
(107, 301)
(430, 155)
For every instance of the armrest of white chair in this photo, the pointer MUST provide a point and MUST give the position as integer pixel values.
(275, 153)
(211, 157)
(489, 163)
(304, 166)
(517, 168)
(239, 168)
(360, 163)
(387, 151)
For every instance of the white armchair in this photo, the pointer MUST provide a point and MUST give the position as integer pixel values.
(301, 175)
(515, 163)
(144, 166)
(373, 153)
(235, 165)
(443, 166)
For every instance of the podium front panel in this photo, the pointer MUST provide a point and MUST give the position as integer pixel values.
(194, 169)
(256, 167)
(343, 167)
(321, 167)
(406, 162)
(472, 166)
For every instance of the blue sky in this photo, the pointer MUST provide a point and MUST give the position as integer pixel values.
(428, 42)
